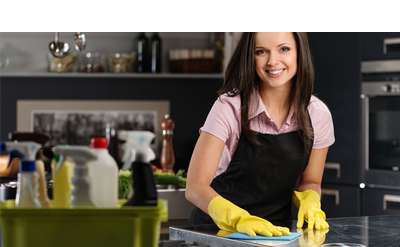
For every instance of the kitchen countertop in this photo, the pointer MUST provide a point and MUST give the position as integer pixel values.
(368, 230)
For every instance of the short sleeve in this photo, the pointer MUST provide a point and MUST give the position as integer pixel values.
(222, 119)
(322, 123)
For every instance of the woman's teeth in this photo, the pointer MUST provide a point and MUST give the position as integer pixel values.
(274, 72)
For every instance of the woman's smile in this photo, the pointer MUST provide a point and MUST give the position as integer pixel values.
(274, 73)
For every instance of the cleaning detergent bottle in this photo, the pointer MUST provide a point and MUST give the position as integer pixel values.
(62, 173)
(103, 175)
(80, 156)
(28, 176)
(27, 189)
(136, 141)
(145, 192)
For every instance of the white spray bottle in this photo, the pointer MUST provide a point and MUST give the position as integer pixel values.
(27, 190)
(80, 155)
(136, 141)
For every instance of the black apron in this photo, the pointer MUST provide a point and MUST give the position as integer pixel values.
(261, 177)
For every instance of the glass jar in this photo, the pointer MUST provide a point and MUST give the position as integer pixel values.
(92, 62)
(122, 62)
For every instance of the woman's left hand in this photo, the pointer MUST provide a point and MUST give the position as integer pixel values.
(310, 210)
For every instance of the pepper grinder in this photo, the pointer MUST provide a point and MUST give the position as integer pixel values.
(167, 149)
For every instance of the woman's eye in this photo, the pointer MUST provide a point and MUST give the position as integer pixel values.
(259, 52)
(285, 49)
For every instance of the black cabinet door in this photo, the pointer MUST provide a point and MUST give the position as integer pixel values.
(338, 84)
(340, 200)
(380, 201)
(379, 46)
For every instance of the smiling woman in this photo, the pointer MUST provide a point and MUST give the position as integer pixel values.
(265, 141)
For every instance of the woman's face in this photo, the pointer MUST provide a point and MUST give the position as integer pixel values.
(275, 58)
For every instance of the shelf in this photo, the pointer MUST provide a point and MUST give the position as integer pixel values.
(112, 75)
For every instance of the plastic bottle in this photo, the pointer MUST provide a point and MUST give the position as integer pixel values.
(62, 171)
(80, 156)
(144, 187)
(103, 175)
(27, 190)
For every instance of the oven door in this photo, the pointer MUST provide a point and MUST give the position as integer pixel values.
(381, 139)
(384, 133)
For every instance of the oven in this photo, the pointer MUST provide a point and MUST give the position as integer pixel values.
(380, 96)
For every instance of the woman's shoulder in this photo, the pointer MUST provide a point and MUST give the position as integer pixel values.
(229, 102)
(317, 107)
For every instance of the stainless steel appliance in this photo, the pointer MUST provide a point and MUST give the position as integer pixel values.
(380, 96)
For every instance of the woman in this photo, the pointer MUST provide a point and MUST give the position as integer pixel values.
(265, 141)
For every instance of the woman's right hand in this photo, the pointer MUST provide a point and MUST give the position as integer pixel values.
(229, 217)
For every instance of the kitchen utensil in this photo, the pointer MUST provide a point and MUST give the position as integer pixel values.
(58, 48)
(80, 41)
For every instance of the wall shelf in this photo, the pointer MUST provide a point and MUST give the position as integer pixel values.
(112, 75)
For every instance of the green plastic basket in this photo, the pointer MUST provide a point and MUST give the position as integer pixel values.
(82, 227)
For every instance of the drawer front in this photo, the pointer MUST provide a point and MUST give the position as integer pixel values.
(381, 201)
(340, 200)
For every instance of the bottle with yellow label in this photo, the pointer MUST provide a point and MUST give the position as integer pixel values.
(62, 172)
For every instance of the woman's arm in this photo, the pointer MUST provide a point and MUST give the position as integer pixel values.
(312, 176)
(202, 168)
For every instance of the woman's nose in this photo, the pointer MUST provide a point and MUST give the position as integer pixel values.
(272, 59)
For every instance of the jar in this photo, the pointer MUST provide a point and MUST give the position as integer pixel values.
(92, 62)
(64, 64)
(122, 62)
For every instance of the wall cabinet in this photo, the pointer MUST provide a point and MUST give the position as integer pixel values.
(377, 201)
(340, 200)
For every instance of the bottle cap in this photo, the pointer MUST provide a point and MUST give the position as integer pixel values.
(98, 142)
(28, 166)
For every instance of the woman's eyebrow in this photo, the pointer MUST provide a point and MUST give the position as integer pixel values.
(283, 44)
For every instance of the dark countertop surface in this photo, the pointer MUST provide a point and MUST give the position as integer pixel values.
(369, 231)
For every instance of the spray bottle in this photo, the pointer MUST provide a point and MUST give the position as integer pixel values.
(137, 155)
(80, 155)
(136, 141)
(27, 190)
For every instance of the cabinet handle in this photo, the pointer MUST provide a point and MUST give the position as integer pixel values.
(390, 198)
(333, 166)
(391, 44)
(332, 192)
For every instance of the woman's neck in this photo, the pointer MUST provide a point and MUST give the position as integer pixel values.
(276, 99)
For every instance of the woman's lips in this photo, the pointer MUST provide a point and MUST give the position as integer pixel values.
(274, 73)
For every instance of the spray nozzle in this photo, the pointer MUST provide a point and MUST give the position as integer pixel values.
(137, 146)
(27, 149)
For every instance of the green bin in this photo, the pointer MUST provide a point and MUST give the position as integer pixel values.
(82, 227)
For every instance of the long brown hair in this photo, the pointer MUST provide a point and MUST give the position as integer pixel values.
(241, 78)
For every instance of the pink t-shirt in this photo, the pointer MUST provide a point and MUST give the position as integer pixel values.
(223, 121)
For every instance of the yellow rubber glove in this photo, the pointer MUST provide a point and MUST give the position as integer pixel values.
(309, 206)
(229, 217)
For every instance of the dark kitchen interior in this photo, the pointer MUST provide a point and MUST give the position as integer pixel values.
(361, 176)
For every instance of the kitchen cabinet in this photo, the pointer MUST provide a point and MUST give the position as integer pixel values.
(338, 85)
(336, 58)
(340, 200)
(377, 201)
(379, 46)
